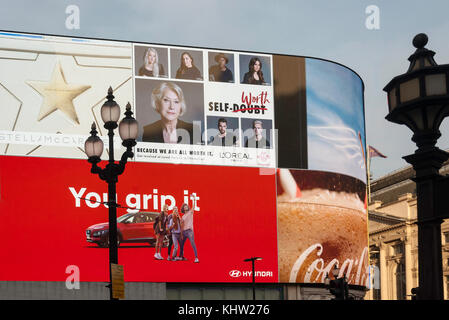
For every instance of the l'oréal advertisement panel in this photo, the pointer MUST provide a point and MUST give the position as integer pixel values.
(246, 154)
(189, 110)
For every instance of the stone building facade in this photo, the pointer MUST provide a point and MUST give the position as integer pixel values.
(393, 237)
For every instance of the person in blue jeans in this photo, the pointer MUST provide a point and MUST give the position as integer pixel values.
(175, 227)
(187, 231)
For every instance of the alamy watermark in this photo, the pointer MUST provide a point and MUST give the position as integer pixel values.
(372, 21)
(72, 21)
(73, 280)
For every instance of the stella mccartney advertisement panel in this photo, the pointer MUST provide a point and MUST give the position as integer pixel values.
(267, 150)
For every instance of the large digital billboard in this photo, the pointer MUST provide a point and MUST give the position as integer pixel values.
(267, 149)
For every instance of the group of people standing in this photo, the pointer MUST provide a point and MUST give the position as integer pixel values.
(178, 229)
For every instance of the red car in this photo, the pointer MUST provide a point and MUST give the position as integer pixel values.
(131, 228)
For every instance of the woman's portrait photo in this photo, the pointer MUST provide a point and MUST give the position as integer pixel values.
(223, 68)
(150, 61)
(170, 112)
(259, 70)
(188, 65)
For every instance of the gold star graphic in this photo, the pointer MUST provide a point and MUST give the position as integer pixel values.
(57, 94)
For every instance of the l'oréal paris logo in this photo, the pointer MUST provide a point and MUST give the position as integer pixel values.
(234, 155)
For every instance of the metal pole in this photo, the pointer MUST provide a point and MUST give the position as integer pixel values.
(254, 280)
(112, 179)
(369, 177)
(427, 164)
(429, 245)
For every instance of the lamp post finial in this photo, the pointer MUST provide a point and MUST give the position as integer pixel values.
(420, 41)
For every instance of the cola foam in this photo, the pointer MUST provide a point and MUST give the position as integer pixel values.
(321, 229)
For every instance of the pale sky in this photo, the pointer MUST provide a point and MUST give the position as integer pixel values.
(333, 30)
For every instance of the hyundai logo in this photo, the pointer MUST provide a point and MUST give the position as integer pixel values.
(235, 273)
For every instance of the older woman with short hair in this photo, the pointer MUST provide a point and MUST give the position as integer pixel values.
(168, 100)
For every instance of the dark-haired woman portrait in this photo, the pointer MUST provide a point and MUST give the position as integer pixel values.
(255, 74)
(188, 70)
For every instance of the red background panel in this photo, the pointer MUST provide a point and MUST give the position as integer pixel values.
(43, 231)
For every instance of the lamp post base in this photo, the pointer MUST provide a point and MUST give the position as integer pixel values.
(427, 164)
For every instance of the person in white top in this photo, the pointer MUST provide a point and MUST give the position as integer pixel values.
(187, 230)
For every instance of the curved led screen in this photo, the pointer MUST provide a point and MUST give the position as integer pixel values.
(267, 150)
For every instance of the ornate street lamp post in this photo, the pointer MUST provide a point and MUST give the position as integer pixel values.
(419, 99)
(128, 129)
(253, 259)
(339, 286)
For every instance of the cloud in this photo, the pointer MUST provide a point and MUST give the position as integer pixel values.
(336, 85)
(344, 158)
(336, 148)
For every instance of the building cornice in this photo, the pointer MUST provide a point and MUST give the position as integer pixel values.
(392, 178)
(379, 216)
(391, 187)
(400, 175)
(388, 228)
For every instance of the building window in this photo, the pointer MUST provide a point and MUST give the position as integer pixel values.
(374, 257)
(375, 272)
(400, 282)
(376, 284)
(376, 294)
(398, 249)
(446, 237)
(447, 287)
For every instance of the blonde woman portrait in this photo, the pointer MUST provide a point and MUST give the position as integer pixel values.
(151, 66)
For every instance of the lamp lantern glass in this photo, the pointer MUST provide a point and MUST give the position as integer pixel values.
(436, 84)
(335, 271)
(110, 112)
(392, 99)
(418, 98)
(128, 127)
(93, 145)
(327, 280)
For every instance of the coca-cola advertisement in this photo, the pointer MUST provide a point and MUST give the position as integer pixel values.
(321, 224)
